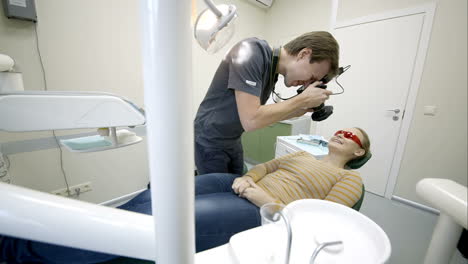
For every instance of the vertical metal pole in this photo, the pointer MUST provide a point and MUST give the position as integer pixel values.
(167, 47)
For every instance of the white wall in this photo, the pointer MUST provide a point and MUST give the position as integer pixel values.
(85, 46)
(250, 23)
(287, 19)
(90, 45)
(94, 45)
(17, 39)
(437, 145)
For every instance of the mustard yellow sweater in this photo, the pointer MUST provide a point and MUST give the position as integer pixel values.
(301, 176)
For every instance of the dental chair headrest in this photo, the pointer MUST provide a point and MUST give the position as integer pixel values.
(358, 163)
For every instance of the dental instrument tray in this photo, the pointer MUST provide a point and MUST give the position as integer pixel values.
(313, 140)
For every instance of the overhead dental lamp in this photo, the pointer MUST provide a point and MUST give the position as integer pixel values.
(215, 26)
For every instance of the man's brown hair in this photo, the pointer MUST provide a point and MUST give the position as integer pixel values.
(323, 45)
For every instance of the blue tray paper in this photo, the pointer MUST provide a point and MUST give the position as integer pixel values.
(84, 143)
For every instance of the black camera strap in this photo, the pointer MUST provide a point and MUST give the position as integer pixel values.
(273, 77)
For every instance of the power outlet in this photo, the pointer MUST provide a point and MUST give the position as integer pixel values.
(4, 175)
(75, 190)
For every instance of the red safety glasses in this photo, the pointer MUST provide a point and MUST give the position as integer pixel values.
(349, 135)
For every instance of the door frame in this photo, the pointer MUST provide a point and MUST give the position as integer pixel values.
(429, 11)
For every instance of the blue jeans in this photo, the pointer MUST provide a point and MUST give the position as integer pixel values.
(219, 214)
(219, 160)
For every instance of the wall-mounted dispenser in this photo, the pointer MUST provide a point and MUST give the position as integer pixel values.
(9, 79)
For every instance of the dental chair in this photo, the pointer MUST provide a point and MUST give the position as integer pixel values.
(137, 206)
(125, 260)
(358, 204)
(356, 164)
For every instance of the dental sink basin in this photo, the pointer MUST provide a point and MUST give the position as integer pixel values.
(314, 222)
(450, 198)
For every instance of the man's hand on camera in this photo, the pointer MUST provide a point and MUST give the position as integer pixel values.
(313, 96)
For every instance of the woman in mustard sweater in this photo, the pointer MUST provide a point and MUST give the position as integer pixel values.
(226, 204)
(299, 175)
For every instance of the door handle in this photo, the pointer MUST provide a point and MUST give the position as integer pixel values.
(396, 111)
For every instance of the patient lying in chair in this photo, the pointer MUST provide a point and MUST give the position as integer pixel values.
(226, 204)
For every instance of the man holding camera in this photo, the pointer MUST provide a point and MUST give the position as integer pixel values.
(235, 101)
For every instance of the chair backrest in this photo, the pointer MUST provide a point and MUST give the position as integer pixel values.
(245, 169)
(125, 260)
(358, 204)
(358, 163)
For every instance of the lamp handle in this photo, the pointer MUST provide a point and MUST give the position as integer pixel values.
(229, 17)
(213, 8)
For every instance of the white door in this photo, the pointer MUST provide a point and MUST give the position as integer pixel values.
(382, 55)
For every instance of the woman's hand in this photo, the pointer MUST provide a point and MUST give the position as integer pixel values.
(242, 183)
(256, 195)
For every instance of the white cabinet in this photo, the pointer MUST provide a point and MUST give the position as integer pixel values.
(259, 145)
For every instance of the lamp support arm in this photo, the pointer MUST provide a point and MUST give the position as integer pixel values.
(213, 8)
